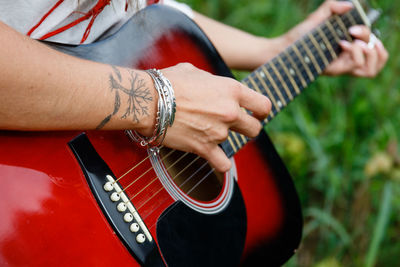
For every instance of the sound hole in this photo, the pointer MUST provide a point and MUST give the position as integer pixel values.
(192, 174)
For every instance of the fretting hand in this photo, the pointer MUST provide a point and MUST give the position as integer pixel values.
(207, 107)
(358, 58)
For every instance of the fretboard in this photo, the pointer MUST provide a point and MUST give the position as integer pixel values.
(288, 74)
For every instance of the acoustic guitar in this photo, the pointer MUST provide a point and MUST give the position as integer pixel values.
(96, 198)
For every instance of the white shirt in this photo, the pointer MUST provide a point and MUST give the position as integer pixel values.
(23, 15)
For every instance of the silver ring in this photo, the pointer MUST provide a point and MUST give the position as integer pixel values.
(372, 41)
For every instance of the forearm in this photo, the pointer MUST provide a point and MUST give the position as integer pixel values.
(42, 89)
(239, 49)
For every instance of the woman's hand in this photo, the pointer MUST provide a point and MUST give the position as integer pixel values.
(357, 57)
(207, 107)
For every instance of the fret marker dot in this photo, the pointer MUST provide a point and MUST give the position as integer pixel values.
(292, 72)
(322, 45)
(339, 32)
(307, 59)
(279, 103)
(262, 74)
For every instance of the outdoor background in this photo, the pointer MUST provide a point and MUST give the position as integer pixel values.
(339, 140)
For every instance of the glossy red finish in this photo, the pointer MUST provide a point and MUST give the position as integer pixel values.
(48, 215)
(262, 198)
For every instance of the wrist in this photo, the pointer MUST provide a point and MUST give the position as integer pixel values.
(145, 125)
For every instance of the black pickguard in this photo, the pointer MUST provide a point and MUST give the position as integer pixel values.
(189, 238)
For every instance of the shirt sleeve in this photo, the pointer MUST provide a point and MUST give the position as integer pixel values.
(182, 7)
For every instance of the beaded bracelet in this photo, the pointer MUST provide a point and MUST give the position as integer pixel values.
(165, 115)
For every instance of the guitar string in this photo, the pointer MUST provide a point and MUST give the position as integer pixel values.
(330, 37)
(163, 187)
(307, 41)
(168, 199)
(164, 214)
(165, 200)
(152, 168)
(144, 173)
(173, 178)
(296, 61)
(313, 49)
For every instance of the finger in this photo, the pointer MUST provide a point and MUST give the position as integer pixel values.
(383, 55)
(356, 51)
(257, 103)
(360, 32)
(371, 56)
(340, 7)
(246, 125)
(217, 159)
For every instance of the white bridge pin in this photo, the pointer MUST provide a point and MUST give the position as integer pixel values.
(140, 238)
(128, 217)
(121, 207)
(108, 187)
(115, 197)
(134, 227)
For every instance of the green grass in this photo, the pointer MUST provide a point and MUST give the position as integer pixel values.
(339, 141)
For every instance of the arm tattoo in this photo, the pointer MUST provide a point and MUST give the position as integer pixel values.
(138, 96)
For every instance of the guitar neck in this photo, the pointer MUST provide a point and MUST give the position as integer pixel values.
(289, 73)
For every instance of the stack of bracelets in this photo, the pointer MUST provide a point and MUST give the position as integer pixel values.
(165, 114)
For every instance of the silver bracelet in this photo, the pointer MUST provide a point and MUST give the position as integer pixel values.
(165, 114)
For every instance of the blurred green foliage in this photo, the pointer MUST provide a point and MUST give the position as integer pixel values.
(339, 141)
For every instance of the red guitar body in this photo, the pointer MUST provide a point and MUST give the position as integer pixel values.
(50, 215)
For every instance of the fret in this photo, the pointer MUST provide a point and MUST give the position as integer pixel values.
(300, 66)
(227, 148)
(237, 139)
(343, 27)
(282, 101)
(269, 94)
(244, 138)
(270, 80)
(285, 76)
(314, 51)
(356, 16)
(306, 67)
(235, 149)
(255, 86)
(297, 71)
(289, 75)
(319, 49)
(316, 65)
(326, 42)
(289, 94)
(346, 20)
(324, 47)
(332, 30)
(351, 18)
(231, 135)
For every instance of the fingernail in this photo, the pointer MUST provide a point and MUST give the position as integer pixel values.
(361, 43)
(344, 43)
(355, 30)
(379, 44)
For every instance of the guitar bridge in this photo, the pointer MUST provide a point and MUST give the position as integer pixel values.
(115, 204)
